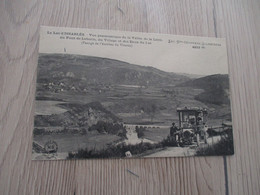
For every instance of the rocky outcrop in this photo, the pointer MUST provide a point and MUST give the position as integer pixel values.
(78, 115)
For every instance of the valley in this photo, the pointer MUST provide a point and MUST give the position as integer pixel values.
(76, 94)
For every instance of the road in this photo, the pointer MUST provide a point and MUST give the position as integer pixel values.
(174, 151)
(183, 151)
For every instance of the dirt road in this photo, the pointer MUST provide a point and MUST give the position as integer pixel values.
(174, 151)
(183, 151)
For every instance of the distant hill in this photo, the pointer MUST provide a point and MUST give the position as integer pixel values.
(96, 70)
(192, 76)
(216, 89)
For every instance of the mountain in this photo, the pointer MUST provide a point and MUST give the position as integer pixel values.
(216, 88)
(98, 71)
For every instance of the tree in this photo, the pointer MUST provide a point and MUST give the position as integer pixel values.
(152, 111)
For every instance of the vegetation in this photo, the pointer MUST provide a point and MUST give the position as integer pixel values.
(223, 147)
(111, 128)
(156, 134)
(169, 141)
(213, 132)
(215, 89)
(59, 67)
(38, 131)
(152, 110)
(137, 94)
(78, 116)
(139, 131)
(71, 142)
(118, 151)
(91, 108)
(216, 96)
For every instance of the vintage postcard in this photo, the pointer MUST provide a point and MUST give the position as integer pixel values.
(116, 94)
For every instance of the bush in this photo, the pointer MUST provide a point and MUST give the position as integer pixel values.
(223, 147)
(169, 141)
(38, 131)
(139, 131)
(111, 128)
(117, 151)
(212, 132)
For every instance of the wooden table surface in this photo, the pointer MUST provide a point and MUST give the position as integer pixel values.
(236, 20)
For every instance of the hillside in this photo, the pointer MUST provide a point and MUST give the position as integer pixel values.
(216, 89)
(94, 70)
(136, 94)
(78, 115)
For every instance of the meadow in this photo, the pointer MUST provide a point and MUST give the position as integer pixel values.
(68, 142)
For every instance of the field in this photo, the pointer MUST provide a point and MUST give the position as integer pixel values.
(156, 134)
(136, 105)
(73, 142)
(48, 107)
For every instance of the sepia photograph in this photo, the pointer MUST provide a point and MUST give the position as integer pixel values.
(115, 94)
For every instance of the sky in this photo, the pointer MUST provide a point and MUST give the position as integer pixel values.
(171, 53)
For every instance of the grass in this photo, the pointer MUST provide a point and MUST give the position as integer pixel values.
(73, 142)
(156, 134)
(118, 151)
(48, 107)
(223, 147)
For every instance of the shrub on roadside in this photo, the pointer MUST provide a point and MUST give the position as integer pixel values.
(139, 131)
(169, 141)
(108, 127)
(118, 151)
(223, 147)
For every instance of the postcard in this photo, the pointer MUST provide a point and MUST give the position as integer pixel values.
(117, 94)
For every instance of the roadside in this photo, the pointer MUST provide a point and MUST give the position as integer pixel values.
(184, 151)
